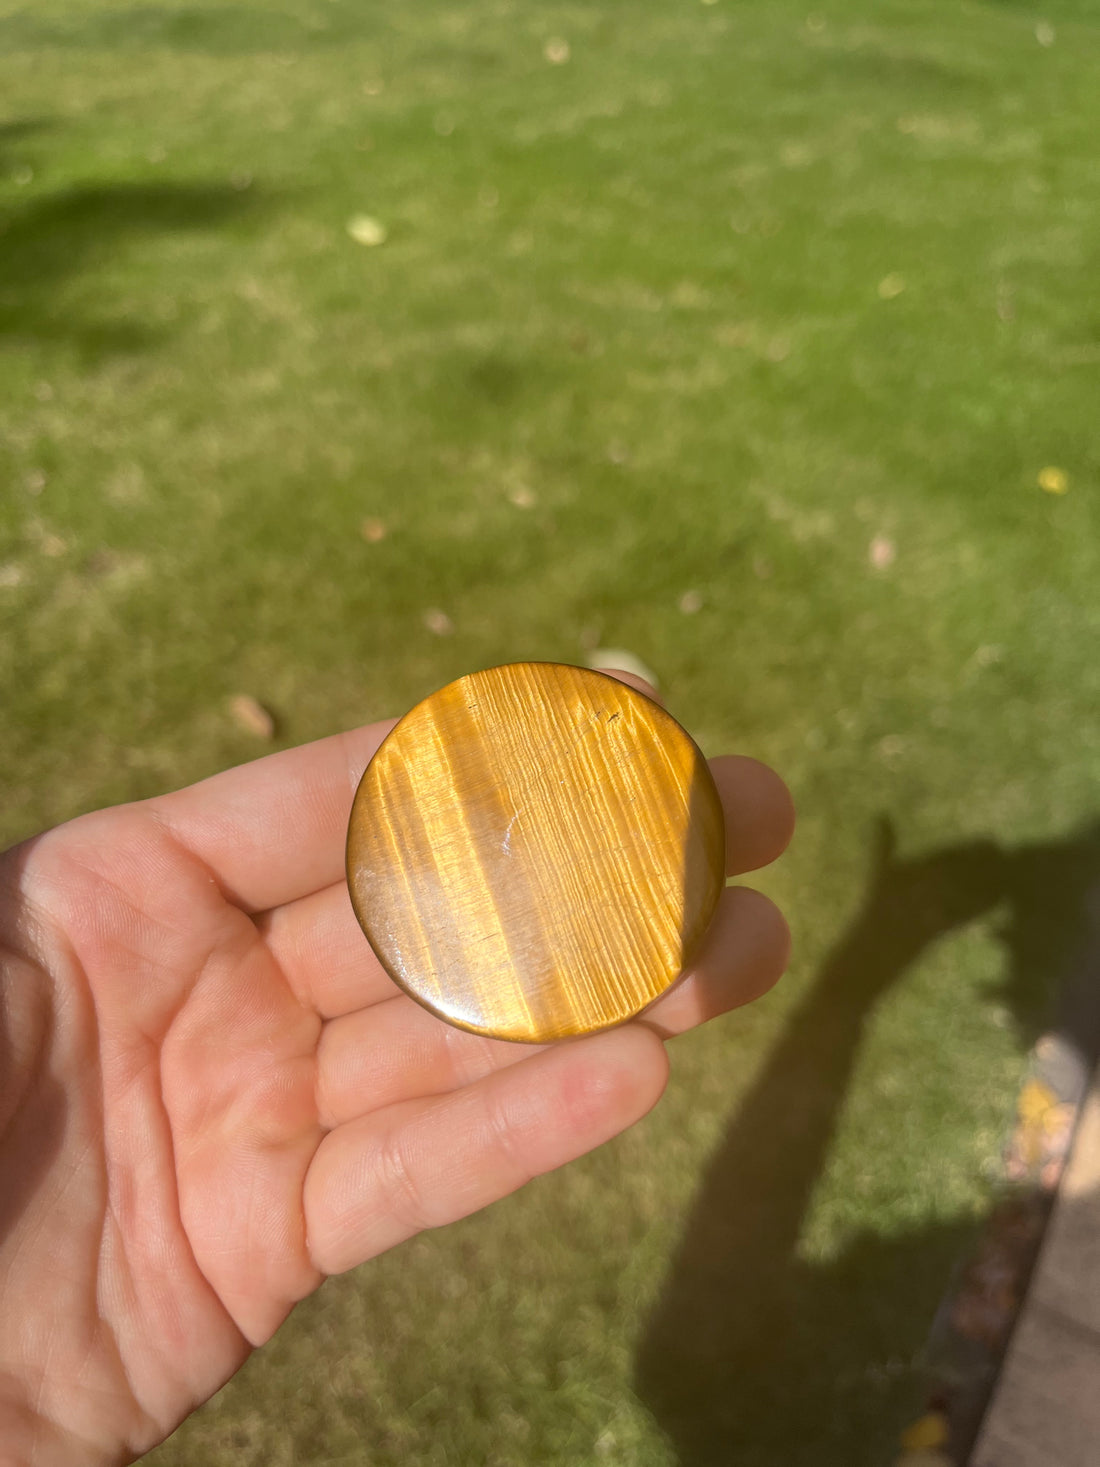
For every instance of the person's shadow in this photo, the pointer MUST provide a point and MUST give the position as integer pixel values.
(50, 240)
(755, 1358)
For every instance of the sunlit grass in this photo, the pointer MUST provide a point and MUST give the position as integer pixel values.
(760, 339)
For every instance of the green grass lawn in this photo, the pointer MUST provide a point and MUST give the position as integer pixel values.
(783, 306)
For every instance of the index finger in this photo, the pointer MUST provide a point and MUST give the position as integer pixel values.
(273, 830)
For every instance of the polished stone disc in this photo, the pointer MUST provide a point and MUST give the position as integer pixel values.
(535, 851)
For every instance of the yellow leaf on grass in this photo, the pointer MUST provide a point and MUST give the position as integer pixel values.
(367, 231)
(1053, 480)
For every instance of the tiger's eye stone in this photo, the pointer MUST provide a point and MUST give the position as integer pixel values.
(535, 851)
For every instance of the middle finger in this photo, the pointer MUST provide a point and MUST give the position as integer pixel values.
(321, 949)
(397, 1051)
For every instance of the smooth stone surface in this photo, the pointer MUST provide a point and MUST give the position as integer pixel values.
(535, 851)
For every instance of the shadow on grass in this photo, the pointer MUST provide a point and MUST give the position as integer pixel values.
(753, 1358)
(47, 242)
(16, 131)
(210, 30)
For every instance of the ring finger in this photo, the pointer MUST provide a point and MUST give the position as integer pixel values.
(397, 1051)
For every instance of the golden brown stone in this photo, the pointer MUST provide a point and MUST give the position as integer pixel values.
(535, 851)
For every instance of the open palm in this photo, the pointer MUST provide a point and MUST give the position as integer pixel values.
(212, 1096)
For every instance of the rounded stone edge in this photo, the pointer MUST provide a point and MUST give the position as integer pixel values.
(689, 955)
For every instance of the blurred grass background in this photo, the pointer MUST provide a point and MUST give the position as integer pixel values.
(737, 334)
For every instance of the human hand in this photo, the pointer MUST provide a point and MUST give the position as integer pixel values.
(212, 1096)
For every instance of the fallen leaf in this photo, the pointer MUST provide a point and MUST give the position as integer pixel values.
(522, 497)
(1034, 1101)
(691, 602)
(985, 1317)
(556, 51)
(989, 655)
(101, 562)
(796, 155)
(882, 552)
(11, 574)
(929, 1430)
(1044, 33)
(36, 481)
(438, 622)
(988, 1297)
(1053, 480)
(252, 716)
(372, 531)
(890, 286)
(367, 231)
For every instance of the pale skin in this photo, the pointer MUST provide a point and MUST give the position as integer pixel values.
(212, 1096)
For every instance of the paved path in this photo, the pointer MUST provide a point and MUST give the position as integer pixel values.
(1045, 1411)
